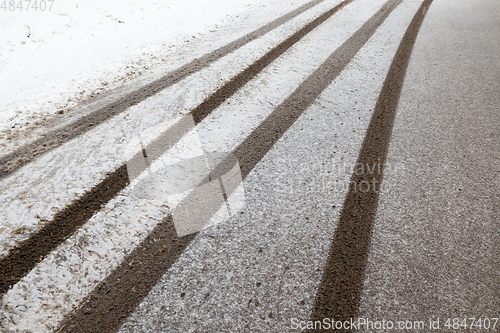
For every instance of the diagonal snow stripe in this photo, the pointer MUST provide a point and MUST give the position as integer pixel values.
(24, 257)
(15, 160)
(118, 295)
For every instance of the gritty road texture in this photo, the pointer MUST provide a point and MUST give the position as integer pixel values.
(434, 251)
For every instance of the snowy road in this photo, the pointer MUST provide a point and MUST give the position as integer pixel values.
(356, 178)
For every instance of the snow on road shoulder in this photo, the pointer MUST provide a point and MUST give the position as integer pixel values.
(53, 60)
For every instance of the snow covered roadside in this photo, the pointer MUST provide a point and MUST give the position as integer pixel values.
(53, 60)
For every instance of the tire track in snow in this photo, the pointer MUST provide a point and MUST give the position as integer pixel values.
(24, 257)
(118, 295)
(340, 290)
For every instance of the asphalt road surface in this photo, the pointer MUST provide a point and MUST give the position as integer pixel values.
(335, 169)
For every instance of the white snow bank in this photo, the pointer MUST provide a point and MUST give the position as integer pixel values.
(51, 60)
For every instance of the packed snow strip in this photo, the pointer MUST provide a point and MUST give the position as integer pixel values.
(62, 65)
(62, 280)
(35, 193)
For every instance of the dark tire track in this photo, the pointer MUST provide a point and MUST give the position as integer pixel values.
(229, 89)
(24, 155)
(24, 257)
(21, 260)
(340, 291)
(118, 295)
